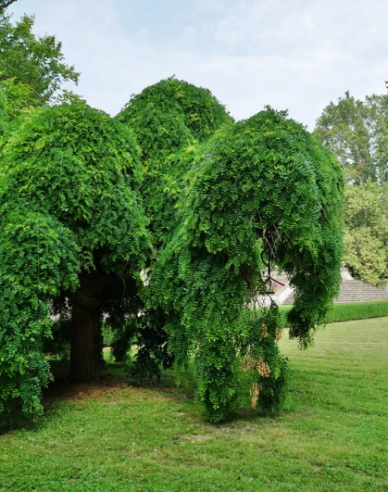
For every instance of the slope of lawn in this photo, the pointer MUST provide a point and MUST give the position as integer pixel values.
(332, 437)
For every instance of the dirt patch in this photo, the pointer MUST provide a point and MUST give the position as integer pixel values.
(61, 389)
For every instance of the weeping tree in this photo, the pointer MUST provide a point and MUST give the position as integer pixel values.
(224, 202)
(73, 243)
(260, 193)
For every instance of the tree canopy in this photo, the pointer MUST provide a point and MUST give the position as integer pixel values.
(166, 118)
(199, 110)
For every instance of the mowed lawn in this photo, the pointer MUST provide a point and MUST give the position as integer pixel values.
(332, 437)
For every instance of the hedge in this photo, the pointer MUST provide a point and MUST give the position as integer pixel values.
(346, 312)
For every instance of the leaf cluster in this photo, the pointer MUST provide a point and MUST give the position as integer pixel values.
(166, 118)
(199, 110)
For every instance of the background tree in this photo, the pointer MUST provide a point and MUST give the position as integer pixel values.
(357, 131)
(366, 232)
(32, 68)
(73, 241)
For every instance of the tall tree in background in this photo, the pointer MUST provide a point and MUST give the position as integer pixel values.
(357, 132)
(366, 232)
(32, 68)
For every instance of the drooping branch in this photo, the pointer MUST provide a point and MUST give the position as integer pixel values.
(4, 5)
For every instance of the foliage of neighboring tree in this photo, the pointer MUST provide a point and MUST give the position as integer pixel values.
(32, 68)
(73, 243)
(167, 117)
(357, 132)
(200, 111)
(261, 192)
(366, 232)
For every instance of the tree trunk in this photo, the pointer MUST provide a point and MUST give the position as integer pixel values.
(85, 358)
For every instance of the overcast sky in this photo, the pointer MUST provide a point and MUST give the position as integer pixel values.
(291, 54)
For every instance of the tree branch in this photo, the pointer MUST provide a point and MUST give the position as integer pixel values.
(4, 5)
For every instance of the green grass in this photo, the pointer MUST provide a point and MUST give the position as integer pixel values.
(332, 437)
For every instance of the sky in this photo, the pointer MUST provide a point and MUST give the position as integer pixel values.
(297, 55)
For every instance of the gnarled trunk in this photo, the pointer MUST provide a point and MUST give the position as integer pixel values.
(85, 358)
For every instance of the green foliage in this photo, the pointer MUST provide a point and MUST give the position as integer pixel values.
(77, 164)
(153, 352)
(359, 310)
(262, 191)
(32, 68)
(69, 177)
(37, 255)
(267, 368)
(3, 124)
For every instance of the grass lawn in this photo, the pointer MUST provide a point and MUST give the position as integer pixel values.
(332, 437)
